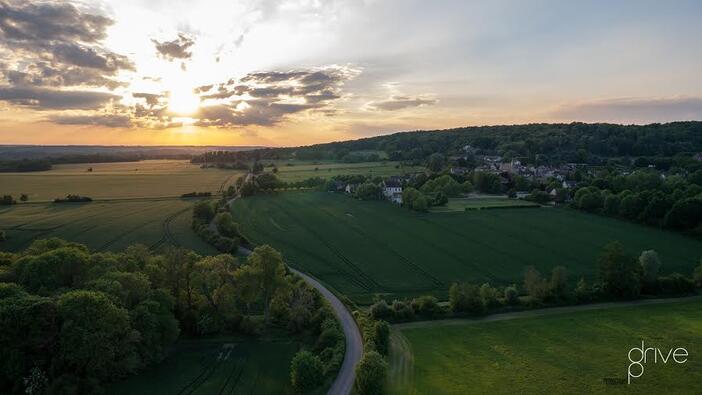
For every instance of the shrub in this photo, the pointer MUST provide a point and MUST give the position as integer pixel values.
(465, 297)
(402, 310)
(426, 305)
(676, 284)
(511, 295)
(328, 338)
(305, 371)
(371, 373)
(489, 295)
(380, 310)
(381, 336)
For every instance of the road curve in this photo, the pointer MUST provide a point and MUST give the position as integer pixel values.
(343, 384)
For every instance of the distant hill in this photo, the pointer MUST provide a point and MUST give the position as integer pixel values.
(573, 142)
(18, 152)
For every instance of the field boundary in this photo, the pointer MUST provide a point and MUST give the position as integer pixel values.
(543, 312)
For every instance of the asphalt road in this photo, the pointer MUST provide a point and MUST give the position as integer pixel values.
(343, 384)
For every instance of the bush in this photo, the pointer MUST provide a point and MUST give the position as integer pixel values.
(306, 371)
(465, 297)
(371, 373)
(402, 310)
(427, 306)
(489, 295)
(676, 284)
(381, 337)
(328, 338)
(380, 310)
(511, 295)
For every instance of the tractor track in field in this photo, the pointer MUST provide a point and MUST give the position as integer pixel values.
(167, 235)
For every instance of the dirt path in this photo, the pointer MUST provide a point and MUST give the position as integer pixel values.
(542, 312)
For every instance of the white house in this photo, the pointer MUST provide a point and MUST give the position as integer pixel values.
(392, 190)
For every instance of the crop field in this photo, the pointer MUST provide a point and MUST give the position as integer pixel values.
(364, 248)
(216, 367)
(150, 178)
(576, 352)
(103, 225)
(291, 171)
(463, 204)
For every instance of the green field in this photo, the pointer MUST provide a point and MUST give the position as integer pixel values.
(463, 204)
(150, 178)
(103, 225)
(569, 353)
(217, 367)
(363, 248)
(291, 171)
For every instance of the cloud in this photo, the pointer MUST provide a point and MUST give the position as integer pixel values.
(400, 102)
(54, 99)
(175, 49)
(109, 120)
(56, 44)
(267, 98)
(632, 110)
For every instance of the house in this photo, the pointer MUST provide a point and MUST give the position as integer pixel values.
(698, 156)
(339, 186)
(458, 171)
(521, 194)
(569, 184)
(392, 190)
(351, 188)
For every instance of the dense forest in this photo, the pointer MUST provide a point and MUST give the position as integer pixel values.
(547, 143)
(72, 320)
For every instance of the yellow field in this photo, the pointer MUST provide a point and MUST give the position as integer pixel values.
(149, 178)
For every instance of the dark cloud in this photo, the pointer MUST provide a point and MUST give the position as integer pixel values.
(109, 120)
(266, 98)
(54, 99)
(175, 49)
(633, 110)
(152, 99)
(56, 44)
(400, 102)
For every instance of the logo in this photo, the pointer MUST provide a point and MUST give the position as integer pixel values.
(639, 357)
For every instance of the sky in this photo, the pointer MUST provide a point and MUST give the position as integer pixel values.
(297, 72)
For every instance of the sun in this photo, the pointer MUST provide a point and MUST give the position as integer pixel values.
(183, 101)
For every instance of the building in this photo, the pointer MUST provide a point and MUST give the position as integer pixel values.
(698, 156)
(351, 188)
(392, 190)
(458, 171)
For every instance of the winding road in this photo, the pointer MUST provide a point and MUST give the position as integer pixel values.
(343, 384)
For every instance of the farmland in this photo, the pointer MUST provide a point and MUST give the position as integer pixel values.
(363, 248)
(291, 171)
(150, 178)
(565, 353)
(103, 225)
(217, 366)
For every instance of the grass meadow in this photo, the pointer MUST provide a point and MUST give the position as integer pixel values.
(149, 178)
(364, 248)
(216, 366)
(570, 353)
(103, 225)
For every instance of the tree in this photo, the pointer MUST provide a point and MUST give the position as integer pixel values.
(204, 211)
(685, 214)
(371, 373)
(426, 305)
(436, 162)
(697, 275)
(650, 266)
(511, 295)
(420, 204)
(305, 371)
(62, 267)
(7, 200)
(488, 294)
(24, 197)
(95, 339)
(559, 282)
(618, 272)
(583, 293)
(268, 265)
(631, 206)
(368, 191)
(465, 297)
(226, 225)
(536, 286)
